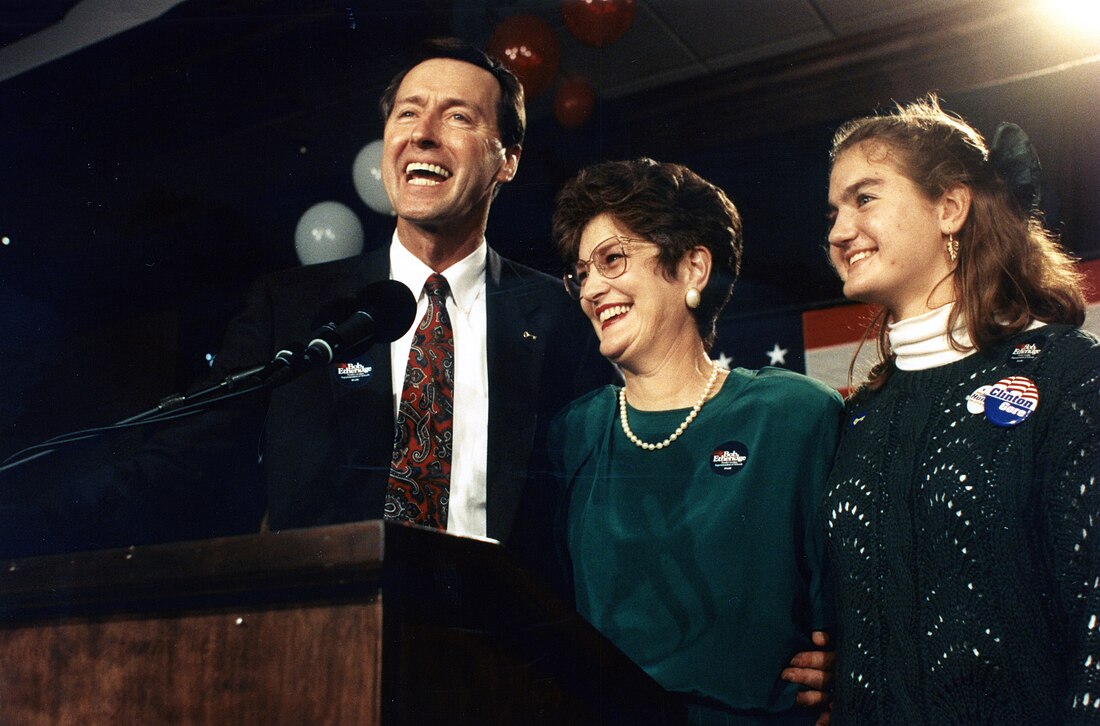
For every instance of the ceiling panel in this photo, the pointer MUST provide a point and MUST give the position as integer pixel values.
(647, 55)
(848, 17)
(741, 29)
(670, 40)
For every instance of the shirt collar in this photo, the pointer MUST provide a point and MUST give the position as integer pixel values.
(466, 277)
(922, 341)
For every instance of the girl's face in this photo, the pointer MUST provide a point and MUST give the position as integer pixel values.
(887, 238)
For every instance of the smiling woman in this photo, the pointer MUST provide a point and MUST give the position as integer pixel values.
(691, 490)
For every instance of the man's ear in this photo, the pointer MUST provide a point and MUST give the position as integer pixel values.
(954, 208)
(508, 169)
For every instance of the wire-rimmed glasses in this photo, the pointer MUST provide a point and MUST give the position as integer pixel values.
(609, 257)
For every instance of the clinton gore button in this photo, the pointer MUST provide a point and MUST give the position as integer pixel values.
(729, 458)
(1011, 400)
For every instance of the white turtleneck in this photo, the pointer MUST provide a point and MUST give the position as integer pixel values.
(922, 342)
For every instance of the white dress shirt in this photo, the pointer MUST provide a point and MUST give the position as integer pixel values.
(466, 308)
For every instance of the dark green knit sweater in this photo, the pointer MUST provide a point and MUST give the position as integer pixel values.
(966, 554)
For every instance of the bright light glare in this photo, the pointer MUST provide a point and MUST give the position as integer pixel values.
(5, 240)
(1080, 15)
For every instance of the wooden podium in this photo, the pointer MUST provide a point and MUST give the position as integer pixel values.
(366, 623)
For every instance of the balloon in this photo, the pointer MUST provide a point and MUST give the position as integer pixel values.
(327, 231)
(526, 44)
(598, 23)
(573, 102)
(366, 172)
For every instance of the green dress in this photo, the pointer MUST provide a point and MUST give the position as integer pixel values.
(703, 561)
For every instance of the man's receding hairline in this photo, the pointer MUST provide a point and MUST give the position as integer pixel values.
(494, 102)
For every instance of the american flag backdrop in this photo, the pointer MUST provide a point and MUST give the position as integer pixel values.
(821, 342)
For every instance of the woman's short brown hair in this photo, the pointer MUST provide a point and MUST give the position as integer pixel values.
(667, 204)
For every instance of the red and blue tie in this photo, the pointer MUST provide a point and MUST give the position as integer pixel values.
(420, 471)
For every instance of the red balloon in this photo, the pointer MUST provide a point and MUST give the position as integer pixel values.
(526, 44)
(573, 102)
(598, 22)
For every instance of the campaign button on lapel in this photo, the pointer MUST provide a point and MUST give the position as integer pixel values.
(1026, 351)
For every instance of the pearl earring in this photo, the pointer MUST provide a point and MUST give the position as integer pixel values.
(692, 298)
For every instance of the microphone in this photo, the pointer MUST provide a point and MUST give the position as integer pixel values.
(382, 312)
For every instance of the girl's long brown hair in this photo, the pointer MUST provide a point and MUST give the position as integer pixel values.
(1010, 269)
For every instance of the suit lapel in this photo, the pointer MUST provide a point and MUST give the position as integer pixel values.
(515, 347)
(363, 411)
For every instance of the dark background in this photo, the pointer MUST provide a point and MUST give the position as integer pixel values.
(147, 179)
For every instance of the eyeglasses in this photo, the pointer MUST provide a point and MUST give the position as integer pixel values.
(609, 257)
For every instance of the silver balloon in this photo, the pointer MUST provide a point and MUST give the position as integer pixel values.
(366, 172)
(328, 231)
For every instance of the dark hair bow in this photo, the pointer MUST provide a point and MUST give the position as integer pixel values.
(1015, 161)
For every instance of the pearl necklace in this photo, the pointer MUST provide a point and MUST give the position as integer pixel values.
(714, 368)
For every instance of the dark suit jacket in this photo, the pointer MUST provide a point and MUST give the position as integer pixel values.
(325, 445)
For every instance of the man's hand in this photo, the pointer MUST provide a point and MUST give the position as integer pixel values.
(813, 670)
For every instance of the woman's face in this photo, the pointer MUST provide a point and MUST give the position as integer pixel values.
(886, 238)
(639, 315)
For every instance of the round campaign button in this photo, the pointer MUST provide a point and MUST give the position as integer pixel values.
(1026, 351)
(1011, 400)
(729, 458)
(975, 402)
(355, 372)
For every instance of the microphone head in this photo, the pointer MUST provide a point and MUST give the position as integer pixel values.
(381, 313)
(392, 306)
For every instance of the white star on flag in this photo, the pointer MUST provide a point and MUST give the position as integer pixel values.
(777, 356)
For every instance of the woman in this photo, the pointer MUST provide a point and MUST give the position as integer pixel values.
(960, 513)
(692, 492)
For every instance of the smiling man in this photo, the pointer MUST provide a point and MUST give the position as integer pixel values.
(454, 125)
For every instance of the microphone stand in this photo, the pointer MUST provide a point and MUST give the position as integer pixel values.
(179, 405)
(384, 311)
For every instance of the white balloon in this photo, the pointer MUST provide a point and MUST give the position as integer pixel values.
(366, 172)
(328, 231)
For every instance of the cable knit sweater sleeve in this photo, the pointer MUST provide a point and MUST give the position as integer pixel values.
(1071, 517)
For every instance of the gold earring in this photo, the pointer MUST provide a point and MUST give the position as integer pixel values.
(952, 247)
(692, 298)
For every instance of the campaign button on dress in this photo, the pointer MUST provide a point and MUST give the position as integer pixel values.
(1011, 400)
(729, 458)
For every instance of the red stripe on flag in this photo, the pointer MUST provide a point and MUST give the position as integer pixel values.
(831, 334)
(833, 326)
